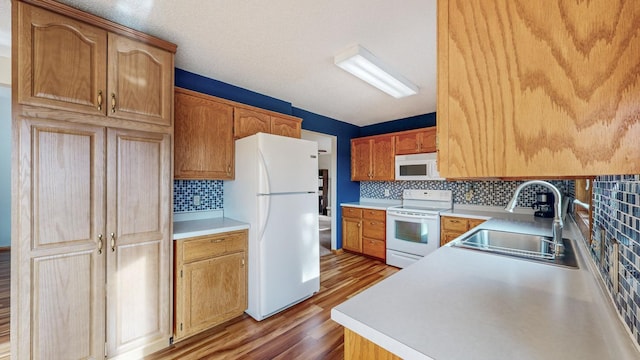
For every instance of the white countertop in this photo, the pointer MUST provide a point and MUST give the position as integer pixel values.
(200, 226)
(464, 304)
(377, 204)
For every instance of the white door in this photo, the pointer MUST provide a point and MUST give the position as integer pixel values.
(287, 164)
(289, 252)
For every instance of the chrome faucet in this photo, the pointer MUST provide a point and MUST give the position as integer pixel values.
(557, 219)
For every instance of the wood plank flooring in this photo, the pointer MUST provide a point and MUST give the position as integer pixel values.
(304, 331)
(5, 295)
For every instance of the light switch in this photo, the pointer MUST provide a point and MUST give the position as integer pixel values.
(387, 193)
(196, 200)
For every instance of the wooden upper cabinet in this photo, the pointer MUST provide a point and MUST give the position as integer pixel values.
(415, 141)
(248, 122)
(291, 127)
(63, 65)
(140, 81)
(545, 88)
(251, 121)
(63, 62)
(372, 158)
(203, 132)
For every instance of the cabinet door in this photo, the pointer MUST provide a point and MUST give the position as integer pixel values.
(61, 62)
(542, 94)
(248, 122)
(286, 127)
(140, 81)
(446, 236)
(360, 159)
(374, 247)
(428, 140)
(383, 158)
(407, 143)
(474, 222)
(139, 187)
(203, 138)
(59, 266)
(215, 290)
(373, 229)
(352, 234)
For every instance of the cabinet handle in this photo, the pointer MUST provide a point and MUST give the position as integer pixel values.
(100, 244)
(113, 102)
(228, 168)
(113, 242)
(99, 100)
(372, 223)
(216, 240)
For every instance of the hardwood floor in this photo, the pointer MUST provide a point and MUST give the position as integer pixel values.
(5, 293)
(304, 331)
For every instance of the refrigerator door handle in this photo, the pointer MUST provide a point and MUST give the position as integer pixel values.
(265, 171)
(265, 208)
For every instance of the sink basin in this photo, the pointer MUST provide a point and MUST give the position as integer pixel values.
(523, 246)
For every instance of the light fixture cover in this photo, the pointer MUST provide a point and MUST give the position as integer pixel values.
(360, 62)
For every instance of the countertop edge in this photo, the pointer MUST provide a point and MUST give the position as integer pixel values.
(376, 337)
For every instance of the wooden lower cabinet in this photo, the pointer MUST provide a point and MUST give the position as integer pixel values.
(210, 281)
(364, 231)
(358, 348)
(453, 226)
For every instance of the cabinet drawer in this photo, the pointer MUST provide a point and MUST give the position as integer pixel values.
(371, 214)
(373, 229)
(374, 247)
(352, 212)
(214, 245)
(454, 224)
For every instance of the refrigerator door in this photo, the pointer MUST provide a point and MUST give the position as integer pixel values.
(286, 164)
(289, 251)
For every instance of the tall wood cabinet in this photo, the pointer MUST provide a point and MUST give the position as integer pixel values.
(372, 158)
(92, 187)
(538, 89)
(204, 147)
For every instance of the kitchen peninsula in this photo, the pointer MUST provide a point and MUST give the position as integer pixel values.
(464, 304)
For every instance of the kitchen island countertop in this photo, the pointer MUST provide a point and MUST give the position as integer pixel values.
(464, 304)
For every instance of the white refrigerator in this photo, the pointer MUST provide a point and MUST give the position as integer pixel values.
(275, 191)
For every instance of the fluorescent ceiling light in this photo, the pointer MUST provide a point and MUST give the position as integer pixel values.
(361, 63)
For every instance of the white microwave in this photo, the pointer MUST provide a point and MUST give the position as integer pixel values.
(417, 167)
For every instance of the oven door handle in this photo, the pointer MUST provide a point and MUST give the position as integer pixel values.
(422, 216)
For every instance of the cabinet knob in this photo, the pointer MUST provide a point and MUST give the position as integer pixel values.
(113, 102)
(228, 168)
(99, 100)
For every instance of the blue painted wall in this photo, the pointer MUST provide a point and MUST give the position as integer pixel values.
(410, 123)
(347, 190)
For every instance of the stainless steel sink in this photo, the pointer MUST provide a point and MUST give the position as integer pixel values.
(524, 246)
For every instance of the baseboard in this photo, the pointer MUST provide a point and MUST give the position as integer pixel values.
(337, 252)
(5, 248)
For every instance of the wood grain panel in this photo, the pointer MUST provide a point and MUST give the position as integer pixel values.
(197, 249)
(140, 81)
(139, 254)
(62, 61)
(352, 234)
(374, 247)
(286, 126)
(358, 348)
(454, 223)
(360, 159)
(372, 214)
(373, 229)
(382, 158)
(352, 212)
(538, 88)
(204, 147)
(248, 122)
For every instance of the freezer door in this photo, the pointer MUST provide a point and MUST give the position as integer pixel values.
(289, 251)
(287, 164)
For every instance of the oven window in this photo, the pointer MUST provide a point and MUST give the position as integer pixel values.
(413, 170)
(412, 231)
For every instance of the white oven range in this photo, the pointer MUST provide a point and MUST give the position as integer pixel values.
(413, 228)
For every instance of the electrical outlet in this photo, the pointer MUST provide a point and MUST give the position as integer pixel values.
(387, 193)
(196, 200)
(468, 195)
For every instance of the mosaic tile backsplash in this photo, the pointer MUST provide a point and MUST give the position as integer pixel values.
(616, 211)
(487, 193)
(210, 192)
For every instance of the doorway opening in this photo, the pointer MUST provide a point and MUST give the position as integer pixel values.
(327, 167)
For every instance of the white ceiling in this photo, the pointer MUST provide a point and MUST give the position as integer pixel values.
(285, 48)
